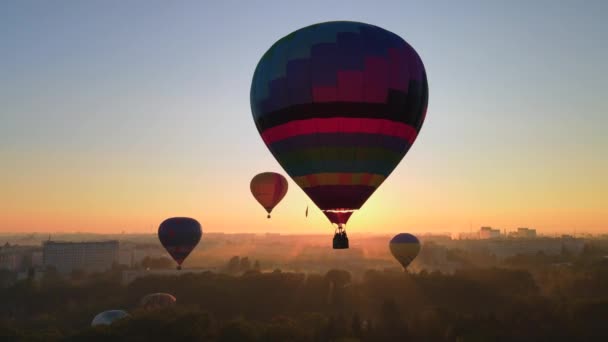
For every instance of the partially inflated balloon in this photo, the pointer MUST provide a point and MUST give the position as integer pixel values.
(405, 248)
(108, 317)
(157, 301)
(268, 188)
(339, 104)
(179, 236)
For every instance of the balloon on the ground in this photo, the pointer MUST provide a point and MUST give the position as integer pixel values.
(268, 188)
(179, 236)
(404, 247)
(108, 317)
(339, 104)
(157, 301)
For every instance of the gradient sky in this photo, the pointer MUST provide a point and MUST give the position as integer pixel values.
(117, 114)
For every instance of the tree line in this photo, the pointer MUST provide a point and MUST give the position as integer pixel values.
(527, 298)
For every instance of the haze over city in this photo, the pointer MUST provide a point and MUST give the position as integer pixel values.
(318, 171)
(118, 115)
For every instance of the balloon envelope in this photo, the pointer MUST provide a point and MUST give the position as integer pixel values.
(179, 236)
(157, 301)
(404, 247)
(268, 188)
(339, 104)
(108, 317)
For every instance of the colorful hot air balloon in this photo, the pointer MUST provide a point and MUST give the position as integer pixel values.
(157, 301)
(108, 317)
(179, 236)
(339, 104)
(268, 188)
(405, 248)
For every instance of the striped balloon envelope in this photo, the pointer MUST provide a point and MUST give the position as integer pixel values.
(108, 317)
(179, 236)
(404, 247)
(157, 301)
(339, 104)
(268, 188)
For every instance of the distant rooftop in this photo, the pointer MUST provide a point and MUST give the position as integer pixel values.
(50, 242)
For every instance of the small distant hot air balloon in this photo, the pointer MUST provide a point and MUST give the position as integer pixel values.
(157, 301)
(108, 317)
(268, 188)
(179, 236)
(339, 104)
(405, 248)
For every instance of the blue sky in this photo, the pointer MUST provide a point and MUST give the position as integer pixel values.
(516, 119)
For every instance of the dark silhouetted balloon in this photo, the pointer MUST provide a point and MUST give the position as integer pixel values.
(108, 317)
(268, 188)
(404, 247)
(157, 301)
(179, 236)
(339, 104)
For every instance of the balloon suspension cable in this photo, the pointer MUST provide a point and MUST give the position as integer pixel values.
(340, 228)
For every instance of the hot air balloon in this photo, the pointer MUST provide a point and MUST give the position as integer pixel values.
(179, 236)
(339, 104)
(405, 248)
(108, 317)
(157, 301)
(268, 188)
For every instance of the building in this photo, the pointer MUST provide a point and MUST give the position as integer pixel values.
(37, 259)
(17, 258)
(525, 233)
(439, 238)
(126, 253)
(139, 253)
(66, 257)
(468, 236)
(504, 248)
(489, 233)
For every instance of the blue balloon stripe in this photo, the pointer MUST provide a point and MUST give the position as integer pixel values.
(405, 238)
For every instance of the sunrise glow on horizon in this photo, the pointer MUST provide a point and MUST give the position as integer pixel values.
(112, 122)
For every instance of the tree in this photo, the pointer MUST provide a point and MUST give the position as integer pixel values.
(157, 263)
(393, 326)
(26, 261)
(284, 329)
(234, 265)
(245, 264)
(356, 325)
(77, 274)
(238, 330)
(337, 281)
(338, 277)
(7, 278)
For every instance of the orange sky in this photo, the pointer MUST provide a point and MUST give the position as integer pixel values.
(111, 122)
(99, 193)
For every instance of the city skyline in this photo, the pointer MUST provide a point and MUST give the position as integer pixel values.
(116, 116)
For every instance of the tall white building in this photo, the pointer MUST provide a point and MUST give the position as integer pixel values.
(85, 256)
